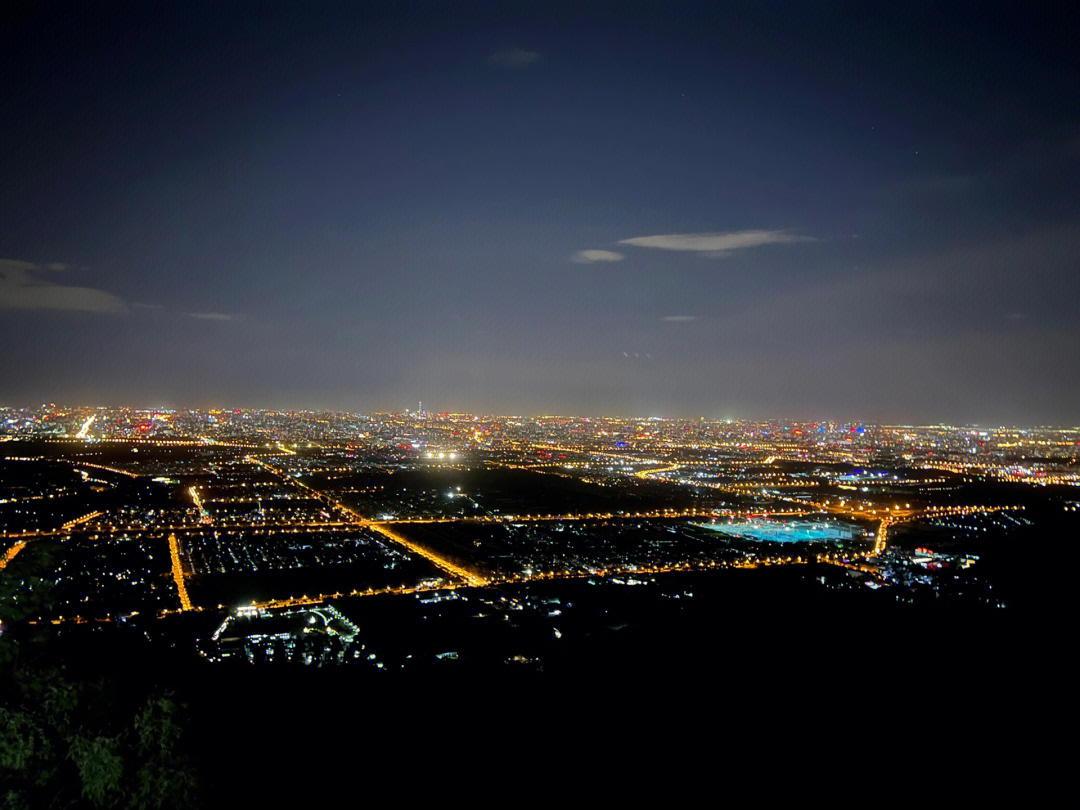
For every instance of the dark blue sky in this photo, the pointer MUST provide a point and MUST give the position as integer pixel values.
(766, 210)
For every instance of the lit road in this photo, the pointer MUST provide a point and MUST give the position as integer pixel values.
(104, 467)
(293, 528)
(645, 475)
(9, 555)
(194, 493)
(430, 556)
(579, 516)
(178, 573)
(614, 571)
(71, 524)
(358, 520)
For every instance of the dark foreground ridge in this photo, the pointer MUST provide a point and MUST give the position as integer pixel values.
(758, 691)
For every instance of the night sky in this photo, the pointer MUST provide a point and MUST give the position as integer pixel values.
(799, 210)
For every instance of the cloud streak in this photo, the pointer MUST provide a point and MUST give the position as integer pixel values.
(513, 58)
(212, 316)
(22, 288)
(715, 244)
(679, 318)
(591, 256)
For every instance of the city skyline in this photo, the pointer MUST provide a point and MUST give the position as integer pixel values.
(427, 414)
(728, 213)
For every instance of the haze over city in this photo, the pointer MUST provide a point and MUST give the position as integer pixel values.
(814, 212)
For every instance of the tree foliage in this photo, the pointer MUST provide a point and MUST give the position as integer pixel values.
(71, 744)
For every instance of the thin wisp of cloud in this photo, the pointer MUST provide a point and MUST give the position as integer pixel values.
(21, 287)
(715, 244)
(513, 58)
(591, 256)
